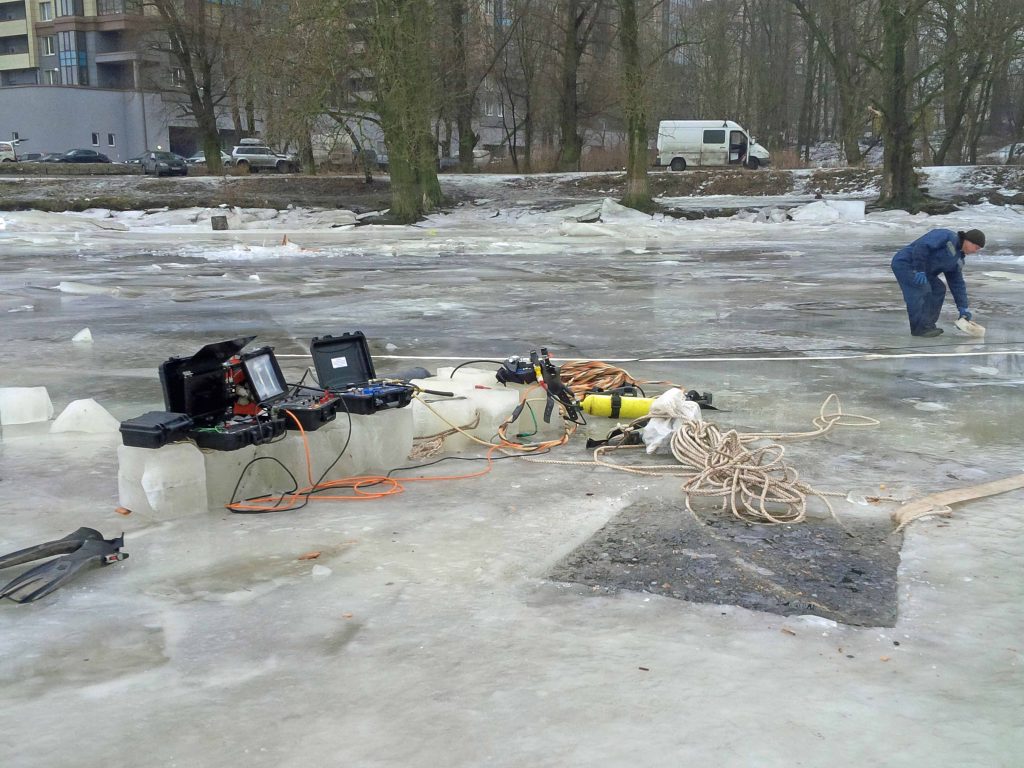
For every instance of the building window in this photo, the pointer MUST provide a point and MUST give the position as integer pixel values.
(110, 140)
(177, 77)
(46, 11)
(49, 48)
(70, 8)
(15, 136)
(109, 7)
(51, 77)
(95, 139)
(71, 51)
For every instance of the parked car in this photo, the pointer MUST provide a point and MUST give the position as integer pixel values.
(372, 157)
(8, 153)
(82, 156)
(162, 163)
(137, 160)
(253, 155)
(49, 157)
(200, 157)
(30, 157)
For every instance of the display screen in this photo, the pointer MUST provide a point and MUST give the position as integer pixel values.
(263, 378)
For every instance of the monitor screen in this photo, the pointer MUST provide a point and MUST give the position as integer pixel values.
(262, 375)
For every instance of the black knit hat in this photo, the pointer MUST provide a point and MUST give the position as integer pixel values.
(975, 236)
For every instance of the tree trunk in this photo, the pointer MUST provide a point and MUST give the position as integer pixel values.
(899, 181)
(402, 61)
(463, 95)
(638, 193)
(571, 151)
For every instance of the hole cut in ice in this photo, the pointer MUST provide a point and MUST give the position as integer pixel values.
(814, 567)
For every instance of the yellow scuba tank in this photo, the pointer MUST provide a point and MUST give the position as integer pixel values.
(616, 406)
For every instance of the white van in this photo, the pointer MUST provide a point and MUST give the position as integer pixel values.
(7, 153)
(684, 144)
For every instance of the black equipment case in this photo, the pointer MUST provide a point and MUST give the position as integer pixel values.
(155, 429)
(344, 368)
(198, 387)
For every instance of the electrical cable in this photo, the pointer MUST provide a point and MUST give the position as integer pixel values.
(470, 362)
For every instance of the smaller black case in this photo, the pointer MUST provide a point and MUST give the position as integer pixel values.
(312, 410)
(155, 429)
(239, 432)
(344, 367)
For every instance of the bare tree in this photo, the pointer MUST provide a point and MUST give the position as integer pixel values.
(405, 98)
(198, 37)
(638, 192)
(844, 30)
(578, 18)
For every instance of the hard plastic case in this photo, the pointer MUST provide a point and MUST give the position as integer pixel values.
(195, 385)
(312, 408)
(344, 367)
(155, 429)
(238, 432)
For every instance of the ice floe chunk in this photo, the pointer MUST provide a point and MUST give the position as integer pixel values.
(85, 416)
(25, 405)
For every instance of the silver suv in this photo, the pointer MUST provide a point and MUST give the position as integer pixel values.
(253, 155)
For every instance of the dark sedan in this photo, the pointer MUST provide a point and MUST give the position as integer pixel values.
(162, 163)
(49, 157)
(82, 156)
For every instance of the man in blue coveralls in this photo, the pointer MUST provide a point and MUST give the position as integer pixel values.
(917, 268)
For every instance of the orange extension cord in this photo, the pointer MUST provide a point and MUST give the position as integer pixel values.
(582, 376)
(359, 485)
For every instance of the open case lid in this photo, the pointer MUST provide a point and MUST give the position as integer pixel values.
(262, 375)
(195, 385)
(342, 361)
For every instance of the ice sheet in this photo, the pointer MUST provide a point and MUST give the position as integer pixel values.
(435, 619)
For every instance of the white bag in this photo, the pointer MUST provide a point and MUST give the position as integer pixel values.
(668, 412)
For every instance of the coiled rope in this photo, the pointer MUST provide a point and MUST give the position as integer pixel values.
(754, 483)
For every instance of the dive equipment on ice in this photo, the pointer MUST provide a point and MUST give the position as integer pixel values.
(550, 377)
(84, 547)
(616, 405)
(623, 402)
(517, 370)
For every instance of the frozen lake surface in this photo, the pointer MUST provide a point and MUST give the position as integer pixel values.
(430, 634)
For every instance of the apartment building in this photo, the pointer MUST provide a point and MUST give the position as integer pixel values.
(72, 75)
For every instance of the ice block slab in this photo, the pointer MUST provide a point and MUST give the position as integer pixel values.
(179, 479)
(24, 405)
(85, 416)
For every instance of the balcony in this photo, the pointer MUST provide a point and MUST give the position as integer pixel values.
(14, 60)
(9, 28)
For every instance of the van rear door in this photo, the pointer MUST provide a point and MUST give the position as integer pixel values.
(714, 148)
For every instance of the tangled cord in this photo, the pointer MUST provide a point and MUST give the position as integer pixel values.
(754, 483)
(582, 376)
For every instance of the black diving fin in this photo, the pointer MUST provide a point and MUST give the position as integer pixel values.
(83, 548)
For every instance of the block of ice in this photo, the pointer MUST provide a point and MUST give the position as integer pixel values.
(445, 379)
(85, 416)
(849, 210)
(818, 212)
(493, 406)
(24, 405)
(83, 336)
(166, 483)
(179, 479)
(435, 415)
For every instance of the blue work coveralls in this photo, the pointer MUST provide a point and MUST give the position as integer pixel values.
(937, 252)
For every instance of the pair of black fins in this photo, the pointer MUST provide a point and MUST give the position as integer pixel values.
(82, 549)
